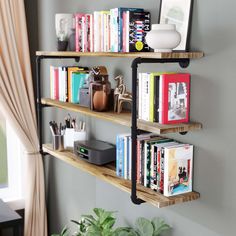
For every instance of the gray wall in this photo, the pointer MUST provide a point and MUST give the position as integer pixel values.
(71, 192)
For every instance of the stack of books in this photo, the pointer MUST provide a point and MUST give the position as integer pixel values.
(164, 97)
(66, 82)
(116, 30)
(163, 165)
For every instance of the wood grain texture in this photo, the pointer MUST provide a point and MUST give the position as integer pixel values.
(108, 174)
(161, 55)
(124, 118)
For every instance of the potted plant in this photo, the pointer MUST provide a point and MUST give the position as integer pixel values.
(102, 224)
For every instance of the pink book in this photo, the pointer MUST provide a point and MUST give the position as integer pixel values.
(88, 32)
(124, 30)
(78, 32)
(56, 83)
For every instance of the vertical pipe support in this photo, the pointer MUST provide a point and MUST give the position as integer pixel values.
(134, 197)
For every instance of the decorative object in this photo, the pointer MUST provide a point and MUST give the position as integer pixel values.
(103, 224)
(64, 26)
(163, 37)
(121, 96)
(99, 88)
(177, 12)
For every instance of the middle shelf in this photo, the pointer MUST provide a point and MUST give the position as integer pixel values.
(124, 118)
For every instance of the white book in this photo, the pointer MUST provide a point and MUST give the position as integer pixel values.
(145, 96)
(52, 90)
(114, 29)
(178, 164)
(160, 98)
(125, 157)
(140, 95)
(97, 31)
(130, 158)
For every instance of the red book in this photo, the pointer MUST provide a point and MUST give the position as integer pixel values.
(174, 98)
(78, 32)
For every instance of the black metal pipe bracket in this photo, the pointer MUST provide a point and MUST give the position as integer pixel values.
(184, 63)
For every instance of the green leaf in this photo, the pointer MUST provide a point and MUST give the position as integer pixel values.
(144, 227)
(125, 231)
(108, 223)
(159, 226)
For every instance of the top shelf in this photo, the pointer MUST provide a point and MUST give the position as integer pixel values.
(158, 55)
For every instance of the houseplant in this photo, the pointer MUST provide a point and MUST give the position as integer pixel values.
(102, 224)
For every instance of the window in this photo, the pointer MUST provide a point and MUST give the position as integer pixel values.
(10, 163)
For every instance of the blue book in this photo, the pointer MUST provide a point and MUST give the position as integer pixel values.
(120, 24)
(119, 159)
(77, 82)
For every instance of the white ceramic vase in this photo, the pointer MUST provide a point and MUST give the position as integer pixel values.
(163, 37)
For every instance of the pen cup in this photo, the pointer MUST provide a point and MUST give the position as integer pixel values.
(71, 136)
(58, 142)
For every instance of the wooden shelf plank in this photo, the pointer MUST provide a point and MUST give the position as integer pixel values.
(161, 55)
(124, 118)
(108, 174)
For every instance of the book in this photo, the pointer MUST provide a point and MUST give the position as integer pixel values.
(77, 81)
(62, 71)
(139, 25)
(120, 155)
(70, 70)
(54, 82)
(174, 98)
(120, 24)
(178, 164)
(97, 31)
(157, 174)
(79, 31)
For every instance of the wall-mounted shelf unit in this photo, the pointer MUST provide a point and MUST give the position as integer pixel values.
(139, 194)
(108, 174)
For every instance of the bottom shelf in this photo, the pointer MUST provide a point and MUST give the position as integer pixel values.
(108, 174)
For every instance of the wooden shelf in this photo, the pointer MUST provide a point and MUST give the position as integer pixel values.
(108, 174)
(161, 55)
(124, 118)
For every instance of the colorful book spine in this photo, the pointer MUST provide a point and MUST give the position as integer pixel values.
(78, 32)
(120, 24)
(139, 25)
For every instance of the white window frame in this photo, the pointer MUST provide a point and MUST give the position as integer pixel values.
(13, 193)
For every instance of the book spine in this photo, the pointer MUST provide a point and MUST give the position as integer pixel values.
(140, 95)
(124, 31)
(145, 96)
(97, 31)
(151, 98)
(156, 98)
(125, 157)
(120, 156)
(130, 158)
(91, 33)
(162, 170)
(138, 161)
(51, 82)
(56, 83)
(161, 98)
(78, 32)
(155, 168)
(148, 164)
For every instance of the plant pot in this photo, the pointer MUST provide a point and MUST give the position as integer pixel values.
(163, 37)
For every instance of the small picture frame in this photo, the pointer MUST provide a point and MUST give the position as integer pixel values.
(178, 12)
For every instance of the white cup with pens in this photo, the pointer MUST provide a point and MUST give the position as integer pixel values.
(57, 135)
(74, 132)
